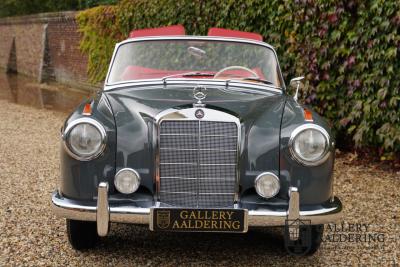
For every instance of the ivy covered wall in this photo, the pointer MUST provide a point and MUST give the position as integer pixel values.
(349, 52)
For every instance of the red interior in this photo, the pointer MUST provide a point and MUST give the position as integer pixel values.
(138, 73)
(168, 30)
(233, 33)
(180, 30)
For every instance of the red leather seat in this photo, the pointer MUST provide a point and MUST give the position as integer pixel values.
(233, 33)
(162, 31)
(139, 73)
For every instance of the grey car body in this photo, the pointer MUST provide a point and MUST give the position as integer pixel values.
(130, 112)
(267, 121)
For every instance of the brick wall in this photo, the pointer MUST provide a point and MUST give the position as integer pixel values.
(45, 47)
(6, 42)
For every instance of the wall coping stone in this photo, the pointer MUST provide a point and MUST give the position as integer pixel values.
(39, 18)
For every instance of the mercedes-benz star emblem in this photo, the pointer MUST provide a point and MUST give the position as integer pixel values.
(199, 93)
(199, 114)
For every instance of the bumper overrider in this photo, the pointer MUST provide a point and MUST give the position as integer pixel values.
(104, 213)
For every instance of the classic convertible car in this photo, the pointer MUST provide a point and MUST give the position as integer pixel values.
(196, 133)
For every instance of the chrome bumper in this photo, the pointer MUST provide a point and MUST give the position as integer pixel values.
(104, 213)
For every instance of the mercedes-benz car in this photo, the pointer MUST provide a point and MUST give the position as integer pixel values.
(196, 133)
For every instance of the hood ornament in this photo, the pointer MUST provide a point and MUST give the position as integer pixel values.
(199, 93)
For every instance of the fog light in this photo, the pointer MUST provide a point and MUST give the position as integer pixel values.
(267, 185)
(127, 181)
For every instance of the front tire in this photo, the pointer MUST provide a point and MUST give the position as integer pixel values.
(82, 234)
(317, 232)
(308, 242)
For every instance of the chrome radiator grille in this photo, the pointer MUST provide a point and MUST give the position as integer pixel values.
(198, 161)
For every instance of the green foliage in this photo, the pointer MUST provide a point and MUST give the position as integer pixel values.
(348, 50)
(100, 31)
(25, 7)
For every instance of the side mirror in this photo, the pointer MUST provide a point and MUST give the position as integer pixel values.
(296, 82)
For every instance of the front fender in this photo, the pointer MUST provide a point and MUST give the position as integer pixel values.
(314, 182)
(79, 179)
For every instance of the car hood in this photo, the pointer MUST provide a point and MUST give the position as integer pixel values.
(135, 110)
(151, 101)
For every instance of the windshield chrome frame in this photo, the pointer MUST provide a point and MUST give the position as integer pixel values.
(109, 86)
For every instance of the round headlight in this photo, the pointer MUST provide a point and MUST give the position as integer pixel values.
(127, 181)
(84, 139)
(309, 144)
(267, 185)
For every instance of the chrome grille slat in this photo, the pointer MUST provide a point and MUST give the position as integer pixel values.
(183, 185)
(217, 157)
(198, 161)
(201, 149)
(184, 156)
(192, 178)
(206, 135)
(195, 194)
(217, 142)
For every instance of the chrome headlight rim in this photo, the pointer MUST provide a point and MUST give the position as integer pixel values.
(324, 156)
(134, 172)
(259, 177)
(95, 124)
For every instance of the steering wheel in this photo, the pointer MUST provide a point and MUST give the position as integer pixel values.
(219, 73)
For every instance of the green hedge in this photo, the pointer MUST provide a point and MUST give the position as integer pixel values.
(348, 50)
(25, 7)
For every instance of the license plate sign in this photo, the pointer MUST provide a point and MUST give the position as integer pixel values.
(198, 220)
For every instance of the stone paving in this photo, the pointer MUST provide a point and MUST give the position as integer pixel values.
(30, 234)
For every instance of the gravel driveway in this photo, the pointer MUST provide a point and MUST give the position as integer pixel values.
(31, 235)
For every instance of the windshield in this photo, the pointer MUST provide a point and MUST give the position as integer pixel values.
(203, 59)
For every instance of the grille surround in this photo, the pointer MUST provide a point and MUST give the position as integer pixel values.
(194, 163)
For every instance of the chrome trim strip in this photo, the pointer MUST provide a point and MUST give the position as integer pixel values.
(205, 38)
(92, 122)
(217, 164)
(201, 149)
(67, 208)
(184, 178)
(198, 154)
(207, 135)
(202, 164)
(188, 114)
(178, 163)
(103, 210)
(187, 193)
(194, 37)
(196, 193)
(192, 178)
(234, 86)
(297, 157)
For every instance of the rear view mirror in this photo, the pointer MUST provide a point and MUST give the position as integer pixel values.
(196, 52)
(296, 82)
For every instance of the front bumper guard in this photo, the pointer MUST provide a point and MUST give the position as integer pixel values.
(104, 213)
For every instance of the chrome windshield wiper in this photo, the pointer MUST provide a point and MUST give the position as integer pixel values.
(188, 74)
(185, 74)
(257, 80)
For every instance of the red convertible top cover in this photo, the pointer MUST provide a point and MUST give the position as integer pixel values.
(232, 33)
(180, 30)
(168, 30)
